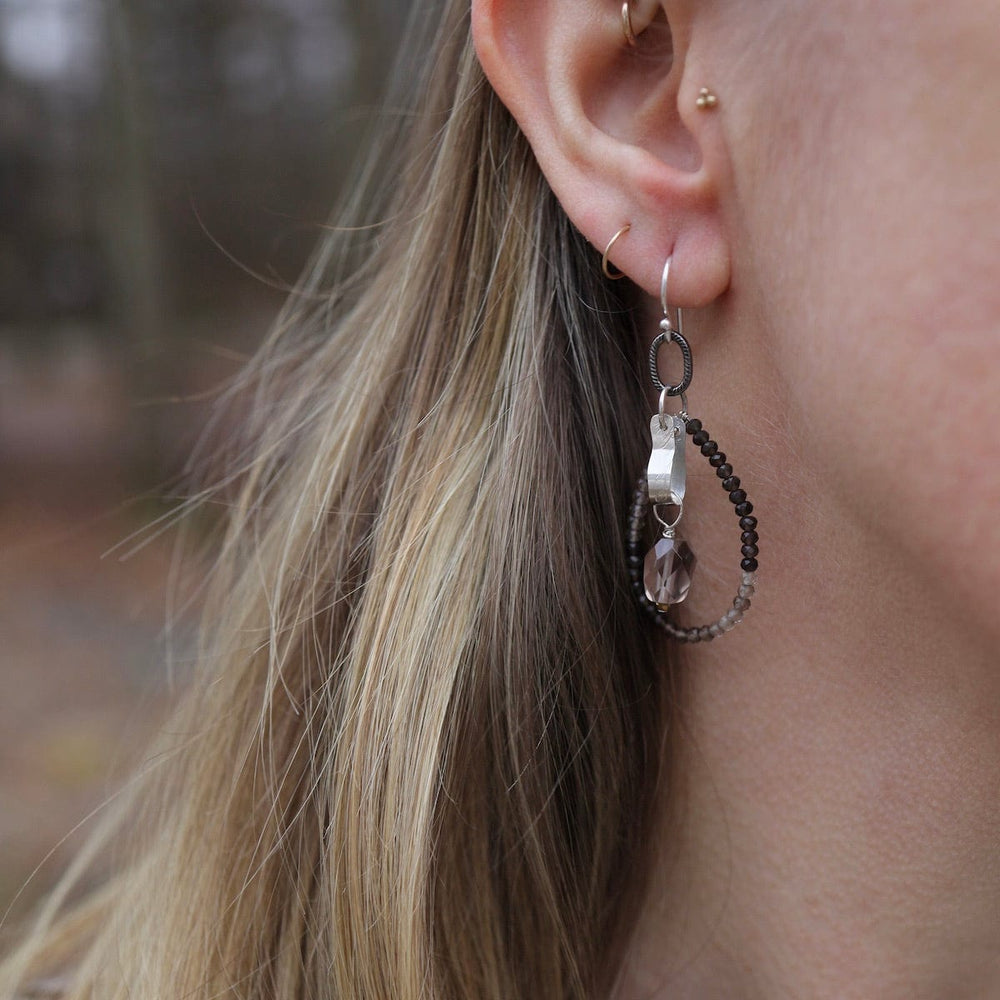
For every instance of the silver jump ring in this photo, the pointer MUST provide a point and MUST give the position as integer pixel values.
(682, 412)
(667, 525)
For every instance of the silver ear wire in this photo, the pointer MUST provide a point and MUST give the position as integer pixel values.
(664, 279)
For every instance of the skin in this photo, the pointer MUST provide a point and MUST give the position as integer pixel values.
(834, 824)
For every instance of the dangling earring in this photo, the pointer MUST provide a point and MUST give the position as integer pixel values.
(663, 577)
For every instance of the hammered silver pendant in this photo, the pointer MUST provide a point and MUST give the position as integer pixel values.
(669, 564)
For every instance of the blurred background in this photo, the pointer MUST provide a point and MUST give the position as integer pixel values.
(166, 167)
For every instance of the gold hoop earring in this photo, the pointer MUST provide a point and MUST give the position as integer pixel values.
(607, 250)
(627, 24)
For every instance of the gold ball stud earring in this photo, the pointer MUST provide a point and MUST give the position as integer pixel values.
(706, 99)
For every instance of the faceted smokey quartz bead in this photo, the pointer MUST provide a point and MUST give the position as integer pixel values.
(667, 572)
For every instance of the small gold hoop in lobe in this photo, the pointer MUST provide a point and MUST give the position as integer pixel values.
(607, 250)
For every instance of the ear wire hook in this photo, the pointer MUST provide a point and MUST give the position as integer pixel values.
(665, 278)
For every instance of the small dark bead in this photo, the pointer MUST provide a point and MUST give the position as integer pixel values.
(749, 537)
(699, 438)
(693, 635)
(730, 484)
(637, 560)
(749, 551)
(742, 509)
(738, 496)
(717, 459)
(704, 634)
(709, 448)
(749, 565)
(724, 471)
(693, 426)
(748, 523)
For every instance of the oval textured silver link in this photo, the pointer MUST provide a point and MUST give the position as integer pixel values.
(674, 337)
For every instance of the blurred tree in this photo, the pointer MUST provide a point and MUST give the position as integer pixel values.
(133, 242)
(146, 145)
(132, 232)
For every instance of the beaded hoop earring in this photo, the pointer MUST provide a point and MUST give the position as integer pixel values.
(663, 577)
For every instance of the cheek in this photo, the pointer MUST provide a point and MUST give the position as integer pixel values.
(870, 200)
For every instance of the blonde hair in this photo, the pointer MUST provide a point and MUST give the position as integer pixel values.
(418, 758)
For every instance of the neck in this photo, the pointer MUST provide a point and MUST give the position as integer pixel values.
(833, 822)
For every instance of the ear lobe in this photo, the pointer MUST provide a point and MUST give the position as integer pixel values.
(603, 121)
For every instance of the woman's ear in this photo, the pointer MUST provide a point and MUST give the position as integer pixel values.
(616, 130)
